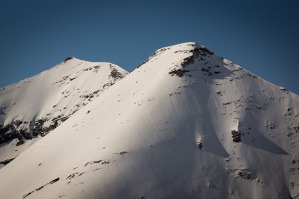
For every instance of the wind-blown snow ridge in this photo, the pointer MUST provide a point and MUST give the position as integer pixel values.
(185, 124)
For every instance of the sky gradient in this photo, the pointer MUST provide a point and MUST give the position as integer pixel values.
(261, 36)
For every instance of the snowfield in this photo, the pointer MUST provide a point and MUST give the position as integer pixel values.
(184, 124)
(35, 106)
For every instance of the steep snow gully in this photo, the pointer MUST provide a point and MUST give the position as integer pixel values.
(184, 124)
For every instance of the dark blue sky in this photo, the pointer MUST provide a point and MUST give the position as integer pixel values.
(261, 36)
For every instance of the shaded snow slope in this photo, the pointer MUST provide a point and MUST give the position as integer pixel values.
(37, 105)
(185, 124)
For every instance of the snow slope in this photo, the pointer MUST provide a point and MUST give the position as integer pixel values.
(35, 106)
(185, 124)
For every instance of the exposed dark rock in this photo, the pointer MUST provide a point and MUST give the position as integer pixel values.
(123, 153)
(8, 133)
(92, 162)
(245, 174)
(293, 161)
(105, 162)
(203, 51)
(24, 196)
(116, 74)
(24, 132)
(17, 123)
(71, 176)
(196, 53)
(200, 145)
(68, 58)
(270, 125)
(178, 72)
(226, 103)
(87, 69)
(41, 187)
(5, 162)
(55, 180)
(20, 142)
(236, 136)
(219, 93)
(209, 71)
(187, 61)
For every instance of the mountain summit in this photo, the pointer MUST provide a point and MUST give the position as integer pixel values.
(184, 124)
(32, 108)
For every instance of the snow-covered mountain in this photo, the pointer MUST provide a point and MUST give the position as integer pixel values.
(184, 124)
(35, 106)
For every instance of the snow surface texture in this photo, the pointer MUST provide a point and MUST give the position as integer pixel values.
(184, 124)
(35, 106)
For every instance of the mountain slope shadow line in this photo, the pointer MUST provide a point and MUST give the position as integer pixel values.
(265, 144)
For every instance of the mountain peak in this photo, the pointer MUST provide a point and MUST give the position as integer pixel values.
(186, 116)
(32, 108)
(68, 58)
(180, 54)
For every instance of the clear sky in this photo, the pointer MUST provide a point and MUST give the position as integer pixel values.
(260, 35)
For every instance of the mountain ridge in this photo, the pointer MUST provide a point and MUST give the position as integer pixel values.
(35, 106)
(208, 128)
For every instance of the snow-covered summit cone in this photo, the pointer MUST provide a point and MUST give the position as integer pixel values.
(185, 124)
(37, 105)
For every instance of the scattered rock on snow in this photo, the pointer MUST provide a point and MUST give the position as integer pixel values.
(41, 187)
(200, 145)
(236, 136)
(5, 162)
(178, 72)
